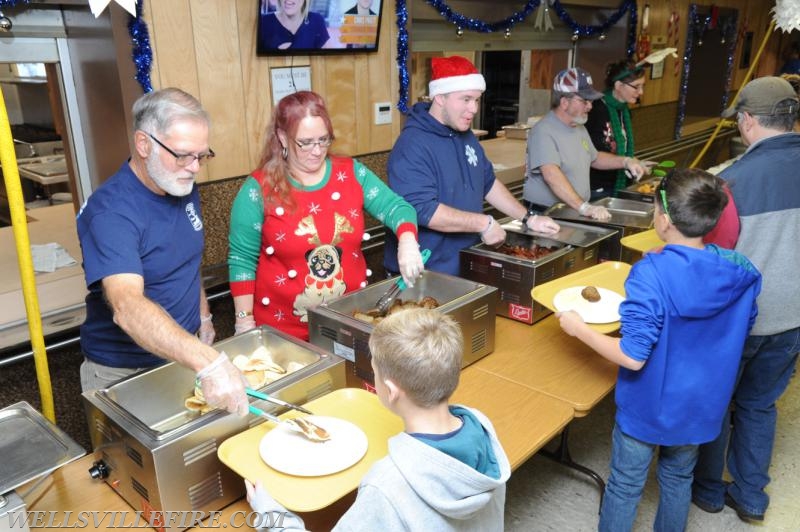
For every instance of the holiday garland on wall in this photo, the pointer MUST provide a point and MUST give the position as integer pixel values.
(463, 22)
(142, 53)
(696, 29)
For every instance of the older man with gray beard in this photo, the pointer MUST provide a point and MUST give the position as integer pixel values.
(560, 151)
(142, 239)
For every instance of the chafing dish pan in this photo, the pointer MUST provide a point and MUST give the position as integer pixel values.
(159, 456)
(627, 217)
(637, 191)
(332, 326)
(573, 248)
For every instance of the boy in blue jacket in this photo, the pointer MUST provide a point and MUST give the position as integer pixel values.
(688, 311)
(447, 471)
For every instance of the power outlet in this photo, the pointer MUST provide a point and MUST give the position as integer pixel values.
(383, 113)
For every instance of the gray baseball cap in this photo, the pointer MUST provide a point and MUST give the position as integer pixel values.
(765, 96)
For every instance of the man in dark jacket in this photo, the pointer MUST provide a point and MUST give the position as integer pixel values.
(439, 167)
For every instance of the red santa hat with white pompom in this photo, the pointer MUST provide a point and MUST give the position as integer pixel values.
(451, 74)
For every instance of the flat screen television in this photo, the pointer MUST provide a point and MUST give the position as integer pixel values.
(301, 27)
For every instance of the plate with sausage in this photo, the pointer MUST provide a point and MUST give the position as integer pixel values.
(593, 304)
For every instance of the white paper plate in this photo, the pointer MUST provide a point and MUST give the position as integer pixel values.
(604, 311)
(292, 453)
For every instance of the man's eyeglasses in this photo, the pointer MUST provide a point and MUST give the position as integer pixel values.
(639, 88)
(185, 159)
(308, 145)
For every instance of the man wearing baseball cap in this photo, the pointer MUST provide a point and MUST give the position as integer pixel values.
(561, 153)
(439, 167)
(766, 191)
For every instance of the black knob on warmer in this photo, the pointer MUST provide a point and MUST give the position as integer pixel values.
(99, 470)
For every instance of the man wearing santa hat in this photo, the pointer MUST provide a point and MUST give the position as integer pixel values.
(439, 167)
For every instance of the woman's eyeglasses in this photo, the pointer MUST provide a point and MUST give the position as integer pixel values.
(308, 145)
(638, 88)
(185, 159)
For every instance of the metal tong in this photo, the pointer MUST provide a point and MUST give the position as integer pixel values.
(274, 400)
(298, 424)
(385, 301)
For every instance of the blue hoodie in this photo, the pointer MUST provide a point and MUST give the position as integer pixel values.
(687, 314)
(431, 164)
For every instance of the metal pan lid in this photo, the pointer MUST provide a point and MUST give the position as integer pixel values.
(574, 234)
(31, 446)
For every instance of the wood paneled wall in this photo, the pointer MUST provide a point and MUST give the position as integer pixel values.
(754, 12)
(207, 47)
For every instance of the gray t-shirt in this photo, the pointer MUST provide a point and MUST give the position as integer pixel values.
(551, 141)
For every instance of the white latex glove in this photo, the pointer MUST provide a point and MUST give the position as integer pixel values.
(243, 325)
(273, 514)
(207, 332)
(595, 212)
(223, 385)
(542, 224)
(635, 168)
(494, 234)
(409, 259)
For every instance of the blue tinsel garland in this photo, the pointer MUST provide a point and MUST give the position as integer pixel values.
(11, 3)
(695, 31)
(687, 55)
(466, 23)
(731, 40)
(142, 53)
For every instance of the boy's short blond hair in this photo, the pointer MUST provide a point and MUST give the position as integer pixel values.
(420, 350)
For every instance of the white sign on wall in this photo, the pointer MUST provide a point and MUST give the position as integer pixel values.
(288, 80)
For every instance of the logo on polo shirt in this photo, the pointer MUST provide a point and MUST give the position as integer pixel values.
(194, 218)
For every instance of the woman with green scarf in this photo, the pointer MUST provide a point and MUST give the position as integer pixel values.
(609, 123)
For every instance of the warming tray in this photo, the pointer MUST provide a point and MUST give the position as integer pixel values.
(623, 212)
(31, 446)
(575, 246)
(609, 274)
(306, 494)
(159, 456)
(636, 192)
(332, 326)
(627, 217)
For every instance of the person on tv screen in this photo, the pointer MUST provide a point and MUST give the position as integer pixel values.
(292, 26)
(362, 7)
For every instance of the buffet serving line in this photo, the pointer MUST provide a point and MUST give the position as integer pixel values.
(563, 379)
(533, 383)
(155, 454)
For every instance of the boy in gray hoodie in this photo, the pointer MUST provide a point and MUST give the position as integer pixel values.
(447, 470)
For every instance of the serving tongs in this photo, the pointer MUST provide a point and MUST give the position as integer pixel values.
(385, 301)
(308, 429)
(275, 400)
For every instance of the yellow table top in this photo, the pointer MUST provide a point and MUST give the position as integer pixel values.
(307, 494)
(544, 358)
(642, 242)
(610, 275)
(524, 419)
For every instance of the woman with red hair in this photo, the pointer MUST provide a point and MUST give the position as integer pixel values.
(297, 223)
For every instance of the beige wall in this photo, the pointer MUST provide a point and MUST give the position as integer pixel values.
(207, 47)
